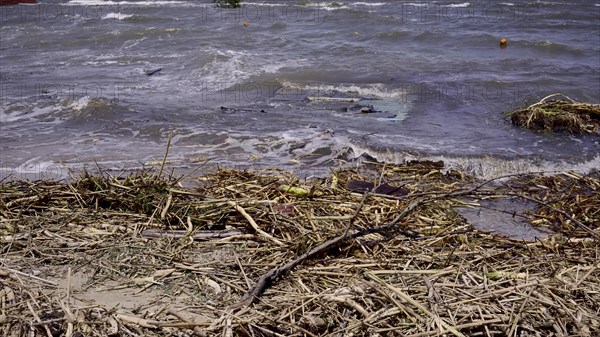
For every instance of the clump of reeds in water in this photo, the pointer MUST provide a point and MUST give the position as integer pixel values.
(555, 115)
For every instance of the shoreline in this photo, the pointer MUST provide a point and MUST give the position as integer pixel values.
(478, 166)
(377, 250)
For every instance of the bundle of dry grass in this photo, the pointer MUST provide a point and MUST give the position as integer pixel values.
(268, 254)
(551, 114)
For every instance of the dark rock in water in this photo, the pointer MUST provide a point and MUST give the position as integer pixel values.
(225, 109)
(367, 109)
(365, 186)
(153, 71)
(367, 157)
(363, 108)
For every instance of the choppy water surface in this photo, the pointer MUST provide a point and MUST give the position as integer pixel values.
(75, 85)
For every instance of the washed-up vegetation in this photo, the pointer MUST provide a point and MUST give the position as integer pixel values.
(375, 251)
(555, 115)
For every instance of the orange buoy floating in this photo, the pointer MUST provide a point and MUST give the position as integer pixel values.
(503, 43)
(245, 23)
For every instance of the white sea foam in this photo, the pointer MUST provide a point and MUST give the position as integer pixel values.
(464, 4)
(128, 3)
(266, 4)
(231, 67)
(35, 166)
(492, 167)
(369, 3)
(416, 4)
(375, 90)
(328, 6)
(20, 112)
(101, 62)
(228, 68)
(484, 167)
(278, 148)
(80, 103)
(118, 16)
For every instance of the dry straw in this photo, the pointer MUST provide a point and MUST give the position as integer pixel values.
(139, 255)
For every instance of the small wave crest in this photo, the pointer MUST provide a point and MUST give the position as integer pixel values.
(117, 16)
(328, 6)
(460, 5)
(555, 48)
(92, 110)
(483, 167)
(123, 3)
(375, 90)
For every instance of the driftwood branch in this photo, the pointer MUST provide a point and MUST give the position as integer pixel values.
(267, 279)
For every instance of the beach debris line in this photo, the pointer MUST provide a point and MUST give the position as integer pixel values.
(556, 113)
(360, 186)
(376, 250)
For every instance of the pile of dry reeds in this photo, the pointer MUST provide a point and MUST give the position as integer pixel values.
(551, 114)
(379, 251)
